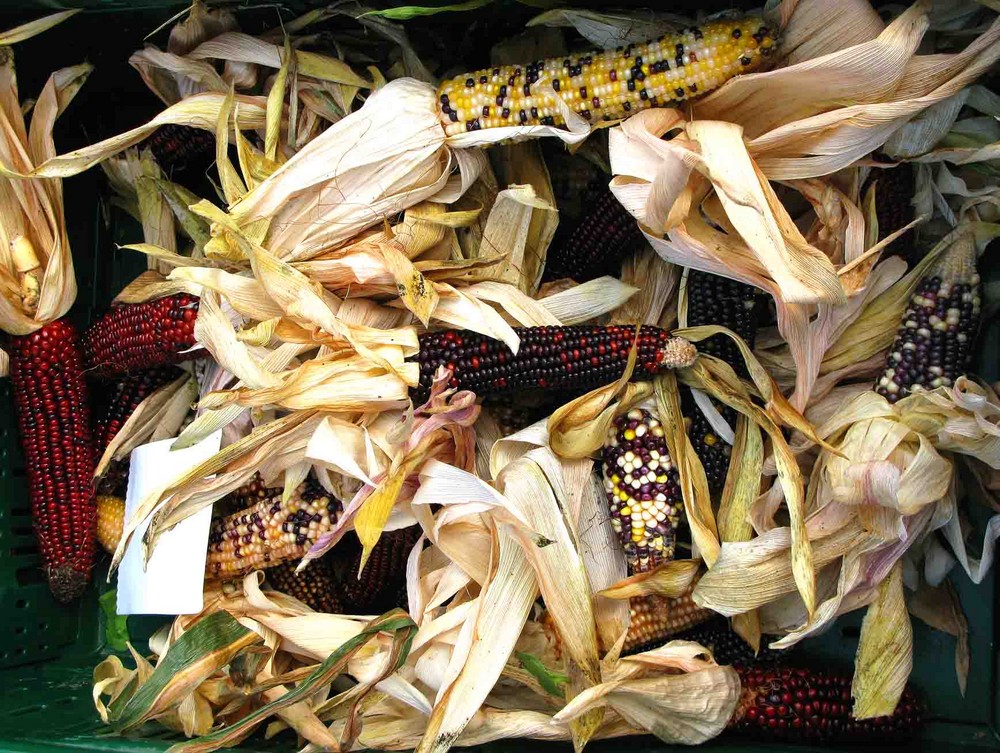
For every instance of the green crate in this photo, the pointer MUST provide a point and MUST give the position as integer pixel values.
(48, 651)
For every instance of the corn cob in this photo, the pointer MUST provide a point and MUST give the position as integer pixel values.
(248, 495)
(314, 586)
(933, 344)
(53, 415)
(573, 358)
(575, 182)
(727, 647)
(806, 705)
(515, 413)
(599, 243)
(653, 619)
(713, 299)
(713, 451)
(142, 336)
(382, 582)
(269, 532)
(606, 85)
(177, 148)
(644, 497)
(125, 397)
(110, 521)
(894, 189)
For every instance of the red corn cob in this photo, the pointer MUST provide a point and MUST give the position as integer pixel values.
(597, 245)
(126, 395)
(50, 397)
(142, 336)
(575, 358)
(381, 585)
(178, 147)
(807, 705)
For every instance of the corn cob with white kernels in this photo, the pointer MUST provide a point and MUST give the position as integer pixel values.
(270, 532)
(606, 85)
(934, 342)
(644, 497)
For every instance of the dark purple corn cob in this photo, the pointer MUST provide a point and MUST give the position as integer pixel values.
(804, 705)
(713, 299)
(126, 395)
(179, 148)
(573, 358)
(598, 243)
(933, 344)
(644, 498)
(894, 189)
(728, 648)
(382, 584)
(141, 336)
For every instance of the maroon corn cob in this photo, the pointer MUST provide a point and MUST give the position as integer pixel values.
(596, 246)
(573, 358)
(53, 415)
(382, 584)
(177, 148)
(894, 189)
(807, 705)
(126, 395)
(142, 336)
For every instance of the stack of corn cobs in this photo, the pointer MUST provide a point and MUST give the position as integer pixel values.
(643, 367)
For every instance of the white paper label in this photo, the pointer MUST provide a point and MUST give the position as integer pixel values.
(173, 580)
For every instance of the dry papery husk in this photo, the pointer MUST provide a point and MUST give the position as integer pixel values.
(37, 282)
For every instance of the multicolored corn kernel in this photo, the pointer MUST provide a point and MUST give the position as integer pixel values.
(246, 496)
(141, 336)
(729, 648)
(598, 243)
(644, 497)
(270, 532)
(894, 189)
(571, 358)
(933, 344)
(714, 299)
(53, 417)
(607, 85)
(110, 521)
(654, 619)
(177, 148)
(381, 586)
(125, 396)
(803, 705)
(315, 586)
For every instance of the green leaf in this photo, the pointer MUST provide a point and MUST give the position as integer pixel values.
(208, 646)
(413, 11)
(396, 621)
(552, 682)
(115, 627)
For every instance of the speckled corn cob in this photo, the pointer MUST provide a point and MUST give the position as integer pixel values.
(252, 492)
(934, 342)
(810, 705)
(644, 498)
(379, 587)
(314, 586)
(713, 451)
(653, 619)
(269, 532)
(571, 358)
(598, 244)
(606, 85)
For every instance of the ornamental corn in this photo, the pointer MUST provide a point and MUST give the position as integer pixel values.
(110, 521)
(270, 532)
(142, 336)
(934, 342)
(572, 358)
(315, 586)
(381, 586)
(606, 85)
(654, 618)
(53, 416)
